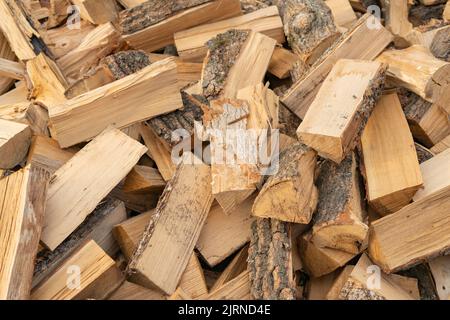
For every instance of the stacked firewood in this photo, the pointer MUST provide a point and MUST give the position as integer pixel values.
(225, 149)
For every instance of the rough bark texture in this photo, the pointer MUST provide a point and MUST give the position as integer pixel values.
(420, 14)
(413, 105)
(423, 154)
(423, 274)
(152, 12)
(440, 47)
(223, 51)
(288, 122)
(269, 261)
(353, 290)
(253, 5)
(308, 25)
(124, 63)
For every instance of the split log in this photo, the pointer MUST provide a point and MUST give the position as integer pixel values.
(5, 53)
(15, 139)
(282, 62)
(317, 288)
(337, 117)
(343, 13)
(270, 261)
(440, 268)
(236, 289)
(191, 42)
(425, 35)
(57, 12)
(22, 212)
(446, 13)
(99, 277)
(391, 167)
(11, 69)
(97, 12)
(360, 42)
(37, 118)
(128, 4)
(222, 234)
(131, 291)
(143, 179)
(193, 281)
(340, 219)
(397, 20)
(112, 104)
(427, 288)
(98, 227)
(290, 195)
(440, 47)
(151, 25)
(161, 257)
(417, 70)
(442, 145)
(111, 151)
(423, 154)
(318, 261)
(236, 267)
(309, 27)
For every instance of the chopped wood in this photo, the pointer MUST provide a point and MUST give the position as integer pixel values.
(191, 43)
(337, 117)
(317, 288)
(143, 179)
(193, 281)
(97, 11)
(22, 212)
(132, 291)
(423, 154)
(442, 145)
(282, 62)
(66, 198)
(37, 118)
(15, 139)
(440, 268)
(446, 13)
(391, 166)
(237, 266)
(422, 272)
(342, 11)
(339, 281)
(440, 47)
(5, 53)
(422, 15)
(236, 289)
(11, 69)
(152, 25)
(397, 20)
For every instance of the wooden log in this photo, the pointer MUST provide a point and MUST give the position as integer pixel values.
(37, 118)
(111, 104)
(397, 20)
(440, 46)
(340, 219)
(11, 69)
(442, 145)
(190, 43)
(99, 277)
(5, 53)
(127, 4)
(362, 285)
(290, 195)
(98, 227)
(193, 281)
(143, 179)
(191, 188)
(57, 11)
(391, 166)
(317, 288)
(237, 266)
(15, 139)
(22, 211)
(342, 12)
(282, 62)
(236, 289)
(67, 200)
(318, 261)
(360, 42)
(270, 261)
(440, 268)
(339, 281)
(423, 154)
(97, 12)
(309, 27)
(422, 272)
(236, 59)
(337, 117)
(417, 70)
(151, 25)
(446, 13)
(425, 35)
(222, 234)
(132, 291)
(428, 122)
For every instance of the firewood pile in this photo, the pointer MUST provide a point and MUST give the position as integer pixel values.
(225, 149)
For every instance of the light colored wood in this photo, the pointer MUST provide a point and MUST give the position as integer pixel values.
(132, 291)
(339, 282)
(416, 69)
(446, 14)
(425, 37)
(317, 288)
(97, 11)
(342, 11)
(99, 277)
(397, 20)
(161, 257)
(360, 42)
(440, 268)
(391, 165)
(131, 3)
(72, 197)
(143, 179)
(436, 175)
(190, 43)
(83, 117)
(441, 146)
(336, 118)
(161, 34)
(37, 118)
(416, 233)
(15, 139)
(6, 53)
(234, 268)
(236, 289)
(282, 62)
(193, 280)
(11, 69)
(222, 234)
(94, 79)
(22, 206)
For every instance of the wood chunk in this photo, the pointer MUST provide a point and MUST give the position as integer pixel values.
(236, 289)
(99, 277)
(422, 15)
(360, 42)
(363, 285)
(191, 42)
(237, 266)
(128, 4)
(21, 216)
(309, 27)
(441, 146)
(423, 154)
(425, 36)
(270, 261)
(337, 117)
(97, 12)
(436, 175)
(58, 10)
(335, 289)
(97, 226)
(11, 69)
(94, 79)
(5, 53)
(162, 257)
(427, 288)
(440, 46)
(152, 25)
(394, 243)
(342, 11)
(340, 219)
(417, 70)
(83, 117)
(317, 288)
(318, 261)
(397, 20)
(236, 59)
(290, 195)
(440, 268)
(143, 179)
(282, 62)
(193, 281)
(131, 291)
(446, 13)
(15, 139)
(222, 234)
(428, 122)
(37, 117)
(391, 166)
(72, 197)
